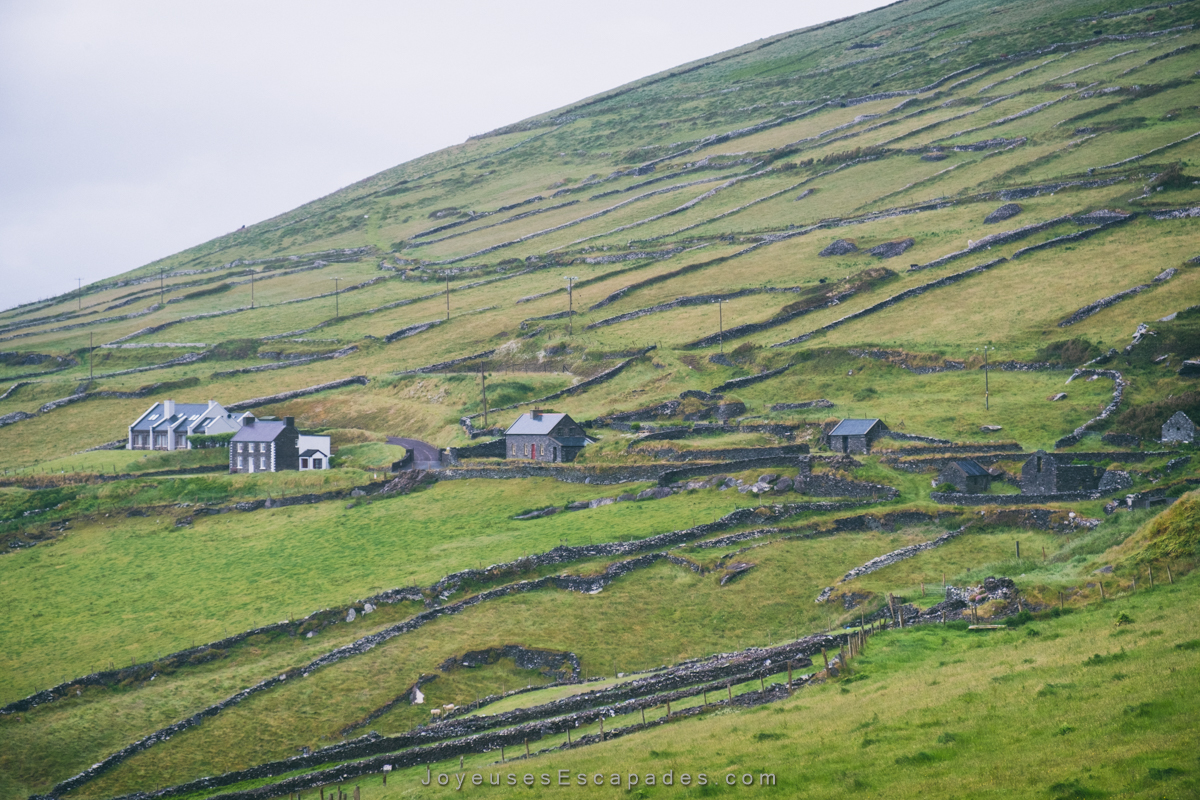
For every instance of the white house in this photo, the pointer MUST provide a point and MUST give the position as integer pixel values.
(166, 425)
(314, 452)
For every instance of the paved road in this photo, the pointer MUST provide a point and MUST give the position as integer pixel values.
(422, 451)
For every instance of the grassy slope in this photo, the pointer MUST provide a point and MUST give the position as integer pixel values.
(161, 587)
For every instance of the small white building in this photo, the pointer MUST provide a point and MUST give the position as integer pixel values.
(314, 452)
(166, 425)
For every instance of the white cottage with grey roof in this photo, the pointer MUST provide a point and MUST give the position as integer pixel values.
(166, 425)
(545, 436)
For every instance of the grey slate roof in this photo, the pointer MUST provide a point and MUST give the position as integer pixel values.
(261, 431)
(311, 453)
(971, 468)
(853, 427)
(183, 414)
(527, 425)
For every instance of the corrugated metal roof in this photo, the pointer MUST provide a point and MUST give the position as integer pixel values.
(853, 427)
(971, 468)
(528, 425)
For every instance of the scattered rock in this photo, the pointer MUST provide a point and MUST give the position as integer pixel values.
(600, 501)
(990, 428)
(1054, 398)
(351, 615)
(891, 249)
(368, 608)
(358, 493)
(1190, 369)
(1165, 275)
(784, 485)
(770, 477)
(1006, 211)
(1115, 479)
(1105, 570)
(734, 570)
(839, 248)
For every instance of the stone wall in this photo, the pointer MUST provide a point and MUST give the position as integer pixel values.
(725, 455)
(957, 499)
(905, 295)
(245, 405)
(492, 449)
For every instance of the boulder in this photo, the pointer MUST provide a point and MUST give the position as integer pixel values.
(1054, 398)
(839, 248)
(892, 249)
(600, 501)
(1190, 369)
(656, 493)
(768, 478)
(783, 485)
(351, 615)
(368, 608)
(1006, 211)
(990, 428)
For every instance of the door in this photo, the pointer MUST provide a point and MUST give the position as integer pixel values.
(533, 451)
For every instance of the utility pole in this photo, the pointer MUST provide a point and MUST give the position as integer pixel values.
(987, 395)
(336, 284)
(79, 291)
(483, 386)
(570, 279)
(447, 299)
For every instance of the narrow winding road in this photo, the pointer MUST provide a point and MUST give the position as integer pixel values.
(425, 455)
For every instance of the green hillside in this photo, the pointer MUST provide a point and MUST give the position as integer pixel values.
(858, 213)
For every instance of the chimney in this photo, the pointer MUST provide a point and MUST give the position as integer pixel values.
(536, 413)
(289, 422)
(168, 409)
(248, 419)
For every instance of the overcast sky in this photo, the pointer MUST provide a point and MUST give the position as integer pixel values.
(132, 130)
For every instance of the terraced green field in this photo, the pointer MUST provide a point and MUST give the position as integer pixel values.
(282, 634)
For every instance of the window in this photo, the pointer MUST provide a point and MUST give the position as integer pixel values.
(317, 463)
(526, 451)
(304, 463)
(262, 462)
(241, 462)
(252, 447)
(241, 447)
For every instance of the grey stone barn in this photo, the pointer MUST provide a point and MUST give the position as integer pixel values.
(1179, 429)
(966, 476)
(856, 435)
(545, 436)
(1044, 473)
(265, 445)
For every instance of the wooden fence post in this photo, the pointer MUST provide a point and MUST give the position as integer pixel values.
(1169, 578)
(1102, 597)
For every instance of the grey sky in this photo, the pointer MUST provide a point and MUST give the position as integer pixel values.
(131, 130)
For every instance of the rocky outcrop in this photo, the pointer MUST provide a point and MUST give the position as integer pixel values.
(892, 249)
(1006, 211)
(805, 404)
(841, 247)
